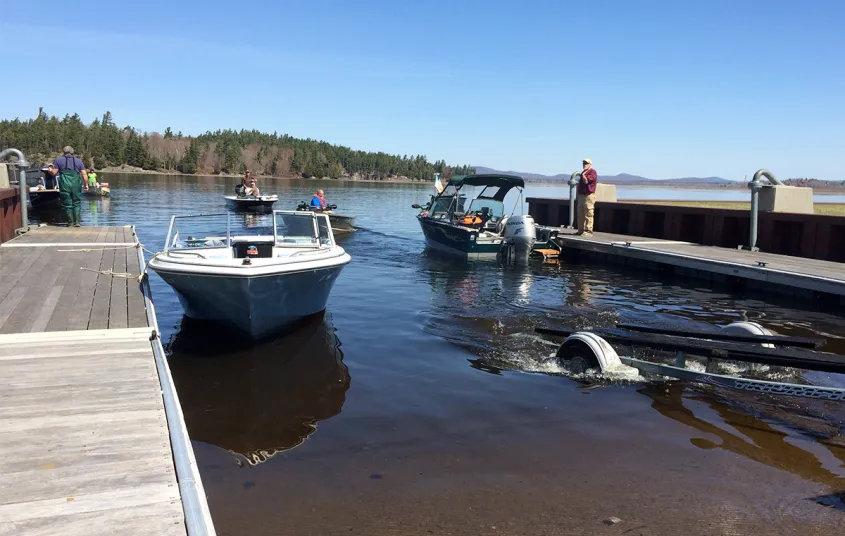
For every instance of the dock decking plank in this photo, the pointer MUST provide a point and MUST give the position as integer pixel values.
(68, 271)
(119, 299)
(81, 286)
(62, 312)
(782, 270)
(99, 318)
(84, 438)
(38, 282)
(84, 441)
(14, 264)
(161, 518)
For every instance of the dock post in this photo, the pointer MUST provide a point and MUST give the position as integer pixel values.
(22, 189)
(755, 185)
(22, 193)
(573, 181)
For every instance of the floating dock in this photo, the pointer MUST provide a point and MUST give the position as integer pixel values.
(782, 273)
(92, 437)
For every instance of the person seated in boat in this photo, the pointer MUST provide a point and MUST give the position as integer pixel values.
(248, 185)
(318, 201)
(92, 178)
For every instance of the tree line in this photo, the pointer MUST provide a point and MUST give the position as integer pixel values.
(102, 144)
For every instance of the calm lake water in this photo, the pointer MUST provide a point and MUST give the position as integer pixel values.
(423, 403)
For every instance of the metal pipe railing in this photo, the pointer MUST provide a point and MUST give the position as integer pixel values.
(22, 188)
(755, 186)
(573, 182)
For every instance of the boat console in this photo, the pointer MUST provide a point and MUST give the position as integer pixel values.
(252, 249)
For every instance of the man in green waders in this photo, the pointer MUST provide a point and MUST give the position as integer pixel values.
(72, 180)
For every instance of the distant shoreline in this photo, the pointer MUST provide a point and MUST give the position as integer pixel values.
(562, 183)
(118, 171)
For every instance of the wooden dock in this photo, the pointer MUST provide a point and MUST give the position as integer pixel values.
(768, 271)
(91, 439)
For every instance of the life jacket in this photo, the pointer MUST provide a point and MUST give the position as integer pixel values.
(471, 219)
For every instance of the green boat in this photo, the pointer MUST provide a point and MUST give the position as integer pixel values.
(480, 229)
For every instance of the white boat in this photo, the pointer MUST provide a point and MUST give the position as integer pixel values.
(242, 203)
(260, 284)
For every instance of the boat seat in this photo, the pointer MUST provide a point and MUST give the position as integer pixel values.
(265, 251)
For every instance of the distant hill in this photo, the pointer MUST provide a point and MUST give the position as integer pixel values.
(816, 184)
(622, 178)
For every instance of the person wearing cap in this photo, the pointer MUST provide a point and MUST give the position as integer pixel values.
(72, 180)
(586, 198)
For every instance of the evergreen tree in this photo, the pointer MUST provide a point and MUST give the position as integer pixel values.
(103, 144)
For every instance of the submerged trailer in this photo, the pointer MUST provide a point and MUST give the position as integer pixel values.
(745, 342)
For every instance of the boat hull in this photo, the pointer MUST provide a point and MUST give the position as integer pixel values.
(458, 241)
(258, 306)
(96, 192)
(342, 224)
(45, 199)
(250, 205)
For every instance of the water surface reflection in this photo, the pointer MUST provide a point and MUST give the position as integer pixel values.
(800, 442)
(257, 401)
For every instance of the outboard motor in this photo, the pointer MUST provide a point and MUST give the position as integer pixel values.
(520, 234)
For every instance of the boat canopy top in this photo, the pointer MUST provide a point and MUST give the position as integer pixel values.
(503, 182)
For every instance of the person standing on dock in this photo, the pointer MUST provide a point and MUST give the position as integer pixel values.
(72, 180)
(586, 198)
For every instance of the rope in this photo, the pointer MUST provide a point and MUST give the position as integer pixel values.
(111, 273)
(133, 246)
(98, 249)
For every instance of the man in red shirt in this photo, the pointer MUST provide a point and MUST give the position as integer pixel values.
(586, 198)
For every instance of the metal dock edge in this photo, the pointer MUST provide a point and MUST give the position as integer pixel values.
(775, 272)
(194, 502)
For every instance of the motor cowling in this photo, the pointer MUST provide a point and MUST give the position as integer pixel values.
(521, 232)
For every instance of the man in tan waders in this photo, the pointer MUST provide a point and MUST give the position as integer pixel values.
(586, 198)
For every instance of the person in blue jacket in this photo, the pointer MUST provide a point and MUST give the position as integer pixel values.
(318, 201)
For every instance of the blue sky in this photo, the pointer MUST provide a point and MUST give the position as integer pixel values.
(655, 88)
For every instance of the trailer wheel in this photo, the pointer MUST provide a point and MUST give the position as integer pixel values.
(750, 328)
(576, 356)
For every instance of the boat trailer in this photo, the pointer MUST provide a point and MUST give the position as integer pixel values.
(746, 342)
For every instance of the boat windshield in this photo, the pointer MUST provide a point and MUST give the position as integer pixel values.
(198, 231)
(295, 229)
(496, 208)
(325, 230)
(446, 204)
(490, 192)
